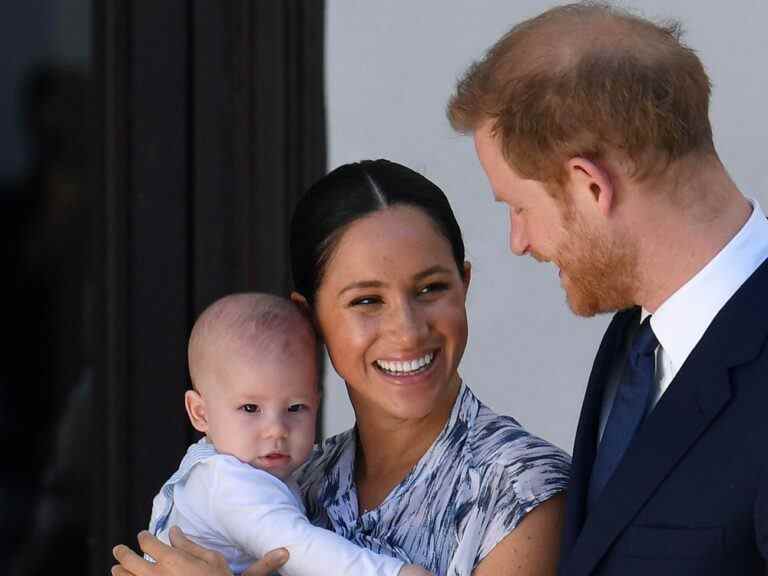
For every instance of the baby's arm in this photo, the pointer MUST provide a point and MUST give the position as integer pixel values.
(259, 513)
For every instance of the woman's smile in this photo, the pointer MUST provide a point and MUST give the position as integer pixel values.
(418, 375)
(407, 367)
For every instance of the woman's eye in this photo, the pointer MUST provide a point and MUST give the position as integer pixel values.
(250, 408)
(365, 301)
(434, 287)
(298, 408)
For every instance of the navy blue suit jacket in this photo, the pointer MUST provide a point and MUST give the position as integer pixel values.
(691, 493)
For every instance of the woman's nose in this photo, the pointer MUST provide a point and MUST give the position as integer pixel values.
(407, 324)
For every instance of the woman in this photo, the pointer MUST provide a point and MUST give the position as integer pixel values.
(428, 473)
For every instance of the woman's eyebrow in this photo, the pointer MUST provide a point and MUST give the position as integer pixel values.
(361, 284)
(437, 269)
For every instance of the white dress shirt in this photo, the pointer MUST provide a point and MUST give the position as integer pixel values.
(683, 318)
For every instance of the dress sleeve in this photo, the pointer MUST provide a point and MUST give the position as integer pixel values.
(259, 513)
(510, 488)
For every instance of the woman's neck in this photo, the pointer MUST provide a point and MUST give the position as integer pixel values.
(388, 447)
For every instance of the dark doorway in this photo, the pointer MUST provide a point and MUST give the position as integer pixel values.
(153, 152)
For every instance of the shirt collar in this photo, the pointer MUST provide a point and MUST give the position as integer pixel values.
(680, 322)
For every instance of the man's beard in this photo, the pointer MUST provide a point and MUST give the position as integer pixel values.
(599, 273)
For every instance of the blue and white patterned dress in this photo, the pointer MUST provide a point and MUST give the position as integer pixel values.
(483, 473)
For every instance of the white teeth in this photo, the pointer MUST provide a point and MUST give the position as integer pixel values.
(407, 367)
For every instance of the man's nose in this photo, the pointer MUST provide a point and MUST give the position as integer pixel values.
(518, 240)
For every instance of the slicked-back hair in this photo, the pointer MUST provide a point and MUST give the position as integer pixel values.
(585, 80)
(349, 193)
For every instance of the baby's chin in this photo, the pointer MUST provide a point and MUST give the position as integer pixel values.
(281, 467)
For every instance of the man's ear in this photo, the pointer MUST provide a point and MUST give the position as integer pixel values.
(589, 180)
(195, 406)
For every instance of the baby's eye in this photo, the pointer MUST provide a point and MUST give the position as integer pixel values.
(298, 408)
(250, 408)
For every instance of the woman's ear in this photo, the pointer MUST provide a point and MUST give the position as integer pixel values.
(195, 406)
(302, 303)
(467, 276)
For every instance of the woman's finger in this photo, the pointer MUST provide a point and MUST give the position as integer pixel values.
(130, 561)
(180, 542)
(153, 546)
(269, 563)
(120, 571)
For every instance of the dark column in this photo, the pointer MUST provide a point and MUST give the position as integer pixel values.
(209, 121)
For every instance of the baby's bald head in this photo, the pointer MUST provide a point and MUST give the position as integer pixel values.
(252, 326)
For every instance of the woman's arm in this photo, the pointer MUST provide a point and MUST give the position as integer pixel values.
(185, 558)
(532, 548)
(188, 559)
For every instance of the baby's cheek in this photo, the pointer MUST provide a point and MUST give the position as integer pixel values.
(307, 437)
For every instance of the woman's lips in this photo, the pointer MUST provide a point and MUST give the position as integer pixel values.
(409, 372)
(412, 367)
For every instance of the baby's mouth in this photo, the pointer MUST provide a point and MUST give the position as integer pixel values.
(275, 457)
(407, 367)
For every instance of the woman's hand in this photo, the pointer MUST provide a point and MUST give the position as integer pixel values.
(185, 558)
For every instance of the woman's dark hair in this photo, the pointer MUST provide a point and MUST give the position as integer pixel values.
(351, 192)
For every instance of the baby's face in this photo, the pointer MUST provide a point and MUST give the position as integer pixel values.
(263, 411)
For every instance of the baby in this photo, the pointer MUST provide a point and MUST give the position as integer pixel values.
(252, 361)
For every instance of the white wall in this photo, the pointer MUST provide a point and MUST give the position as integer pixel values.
(392, 65)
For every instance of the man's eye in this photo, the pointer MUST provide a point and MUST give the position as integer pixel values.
(298, 408)
(250, 408)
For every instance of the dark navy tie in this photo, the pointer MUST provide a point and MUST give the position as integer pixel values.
(628, 411)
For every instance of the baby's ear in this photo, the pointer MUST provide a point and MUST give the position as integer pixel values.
(195, 406)
(300, 301)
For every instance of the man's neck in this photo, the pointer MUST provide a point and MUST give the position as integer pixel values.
(677, 238)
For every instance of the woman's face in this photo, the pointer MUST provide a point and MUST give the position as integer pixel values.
(391, 311)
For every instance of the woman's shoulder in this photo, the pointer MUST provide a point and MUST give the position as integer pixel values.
(512, 471)
(500, 441)
(328, 455)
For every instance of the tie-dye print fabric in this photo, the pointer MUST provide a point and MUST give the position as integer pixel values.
(481, 476)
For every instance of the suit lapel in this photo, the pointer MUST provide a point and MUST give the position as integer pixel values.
(700, 391)
(585, 444)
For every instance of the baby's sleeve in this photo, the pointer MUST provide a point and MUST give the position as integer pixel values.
(258, 513)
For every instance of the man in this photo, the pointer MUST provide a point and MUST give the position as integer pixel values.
(592, 127)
